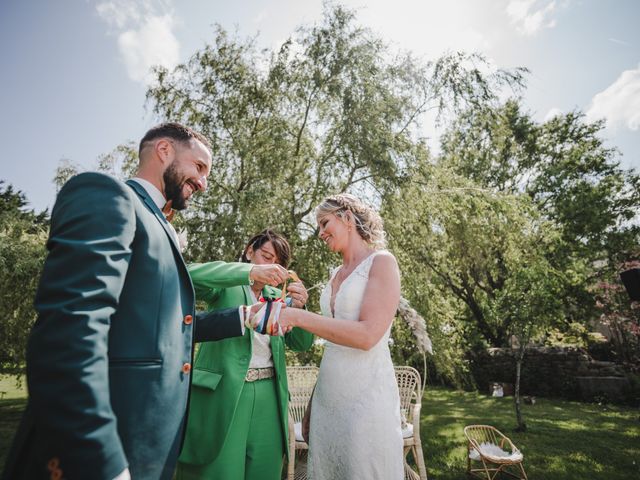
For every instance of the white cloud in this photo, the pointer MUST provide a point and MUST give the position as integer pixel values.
(426, 28)
(530, 16)
(152, 44)
(619, 103)
(145, 35)
(554, 112)
(117, 13)
(619, 42)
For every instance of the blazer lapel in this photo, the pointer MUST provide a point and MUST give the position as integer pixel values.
(142, 193)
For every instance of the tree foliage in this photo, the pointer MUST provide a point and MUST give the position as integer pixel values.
(22, 251)
(572, 180)
(562, 164)
(469, 243)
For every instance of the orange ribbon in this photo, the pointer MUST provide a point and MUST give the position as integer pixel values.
(293, 276)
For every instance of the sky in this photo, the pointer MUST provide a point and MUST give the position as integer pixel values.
(73, 73)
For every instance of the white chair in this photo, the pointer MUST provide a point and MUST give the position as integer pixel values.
(302, 381)
(410, 389)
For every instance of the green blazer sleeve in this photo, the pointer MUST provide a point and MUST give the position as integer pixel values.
(92, 227)
(298, 339)
(210, 278)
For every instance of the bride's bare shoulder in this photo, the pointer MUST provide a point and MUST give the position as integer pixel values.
(384, 261)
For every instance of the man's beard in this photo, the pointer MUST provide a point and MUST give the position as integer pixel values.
(173, 187)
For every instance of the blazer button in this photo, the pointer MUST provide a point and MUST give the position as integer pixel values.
(186, 368)
(188, 320)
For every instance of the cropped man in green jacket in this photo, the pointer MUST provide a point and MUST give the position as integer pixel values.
(237, 426)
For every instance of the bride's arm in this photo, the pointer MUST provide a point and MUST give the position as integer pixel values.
(379, 305)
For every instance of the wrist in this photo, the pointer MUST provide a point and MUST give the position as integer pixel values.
(295, 319)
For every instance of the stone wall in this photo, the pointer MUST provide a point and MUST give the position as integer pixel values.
(566, 372)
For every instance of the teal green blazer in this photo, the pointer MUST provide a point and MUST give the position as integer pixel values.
(108, 359)
(220, 367)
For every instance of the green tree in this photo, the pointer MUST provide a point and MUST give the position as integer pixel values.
(121, 162)
(572, 178)
(22, 251)
(562, 164)
(530, 301)
(463, 247)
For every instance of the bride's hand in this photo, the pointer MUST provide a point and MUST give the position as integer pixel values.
(287, 318)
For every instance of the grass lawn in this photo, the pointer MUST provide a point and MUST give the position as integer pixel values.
(13, 400)
(564, 441)
(9, 389)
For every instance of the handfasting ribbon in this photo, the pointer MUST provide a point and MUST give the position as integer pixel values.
(273, 326)
(293, 276)
(265, 321)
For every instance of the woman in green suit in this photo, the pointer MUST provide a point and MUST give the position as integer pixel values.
(237, 424)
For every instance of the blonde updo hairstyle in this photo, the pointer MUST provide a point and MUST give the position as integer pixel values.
(367, 221)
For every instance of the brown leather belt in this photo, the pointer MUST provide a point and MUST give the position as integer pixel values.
(254, 374)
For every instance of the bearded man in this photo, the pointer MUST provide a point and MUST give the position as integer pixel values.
(109, 357)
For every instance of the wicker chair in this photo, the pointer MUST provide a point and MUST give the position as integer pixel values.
(410, 389)
(496, 452)
(301, 381)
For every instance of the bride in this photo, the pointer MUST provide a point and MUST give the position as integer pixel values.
(354, 427)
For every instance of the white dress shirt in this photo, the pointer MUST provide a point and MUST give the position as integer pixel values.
(261, 356)
(158, 198)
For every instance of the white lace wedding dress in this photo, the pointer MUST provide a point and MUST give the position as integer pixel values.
(355, 415)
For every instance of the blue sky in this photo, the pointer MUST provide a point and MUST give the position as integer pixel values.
(74, 73)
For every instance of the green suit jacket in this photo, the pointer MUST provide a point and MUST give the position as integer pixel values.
(109, 356)
(220, 367)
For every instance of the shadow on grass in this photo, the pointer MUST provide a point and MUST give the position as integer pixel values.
(10, 415)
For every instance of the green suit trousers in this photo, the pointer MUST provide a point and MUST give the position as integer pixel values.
(253, 449)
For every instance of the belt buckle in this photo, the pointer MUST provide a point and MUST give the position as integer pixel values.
(252, 375)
